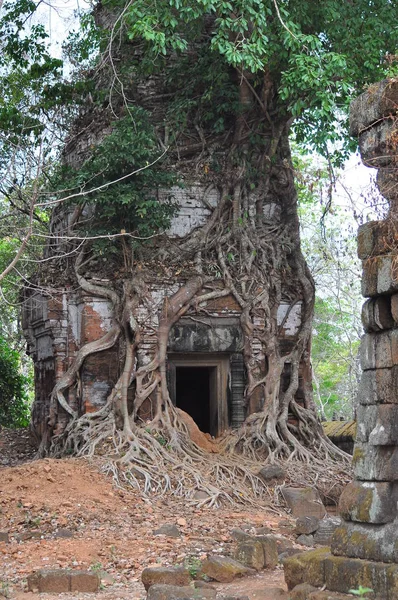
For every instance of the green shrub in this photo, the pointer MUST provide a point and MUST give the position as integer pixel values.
(14, 405)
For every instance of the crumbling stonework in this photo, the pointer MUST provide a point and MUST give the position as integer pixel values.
(364, 550)
(59, 323)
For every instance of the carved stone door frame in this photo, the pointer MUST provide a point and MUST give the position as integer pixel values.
(219, 374)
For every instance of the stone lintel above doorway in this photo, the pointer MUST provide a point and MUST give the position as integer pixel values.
(206, 334)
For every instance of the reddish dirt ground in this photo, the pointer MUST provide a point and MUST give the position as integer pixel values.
(66, 514)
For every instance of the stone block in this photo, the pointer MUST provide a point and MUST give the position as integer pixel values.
(168, 575)
(379, 350)
(379, 276)
(376, 314)
(271, 546)
(369, 502)
(366, 541)
(385, 432)
(282, 543)
(307, 567)
(55, 581)
(170, 592)
(378, 424)
(380, 100)
(387, 179)
(377, 144)
(375, 463)
(4, 537)
(241, 536)
(224, 569)
(304, 502)
(379, 387)
(366, 421)
(84, 581)
(343, 574)
(365, 239)
(327, 526)
(306, 525)
(251, 554)
(58, 581)
(376, 238)
(288, 553)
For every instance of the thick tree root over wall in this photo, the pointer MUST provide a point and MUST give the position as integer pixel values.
(159, 456)
(257, 260)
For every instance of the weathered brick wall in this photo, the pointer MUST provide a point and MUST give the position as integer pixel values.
(57, 326)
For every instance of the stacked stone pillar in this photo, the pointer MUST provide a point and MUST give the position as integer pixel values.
(364, 550)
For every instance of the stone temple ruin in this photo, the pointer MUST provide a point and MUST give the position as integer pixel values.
(364, 549)
(205, 357)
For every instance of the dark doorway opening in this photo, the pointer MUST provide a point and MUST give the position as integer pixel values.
(194, 395)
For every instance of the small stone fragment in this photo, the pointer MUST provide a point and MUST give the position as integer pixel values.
(63, 533)
(168, 529)
(167, 575)
(224, 569)
(200, 495)
(306, 525)
(4, 537)
(306, 540)
(304, 502)
(301, 591)
(270, 549)
(233, 597)
(272, 473)
(203, 584)
(251, 554)
(262, 530)
(327, 527)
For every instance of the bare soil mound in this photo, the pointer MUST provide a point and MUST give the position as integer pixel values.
(65, 513)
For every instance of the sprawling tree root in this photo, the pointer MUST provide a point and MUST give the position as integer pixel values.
(159, 456)
(256, 260)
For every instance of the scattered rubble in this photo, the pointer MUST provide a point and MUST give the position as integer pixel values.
(63, 525)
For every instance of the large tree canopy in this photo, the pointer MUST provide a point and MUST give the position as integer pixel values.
(315, 56)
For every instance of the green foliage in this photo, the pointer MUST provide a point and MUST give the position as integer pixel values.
(335, 346)
(360, 591)
(334, 265)
(14, 406)
(120, 179)
(318, 55)
(193, 565)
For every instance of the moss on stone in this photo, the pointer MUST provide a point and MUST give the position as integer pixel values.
(307, 567)
(364, 506)
(358, 455)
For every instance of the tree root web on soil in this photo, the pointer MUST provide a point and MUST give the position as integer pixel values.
(157, 463)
